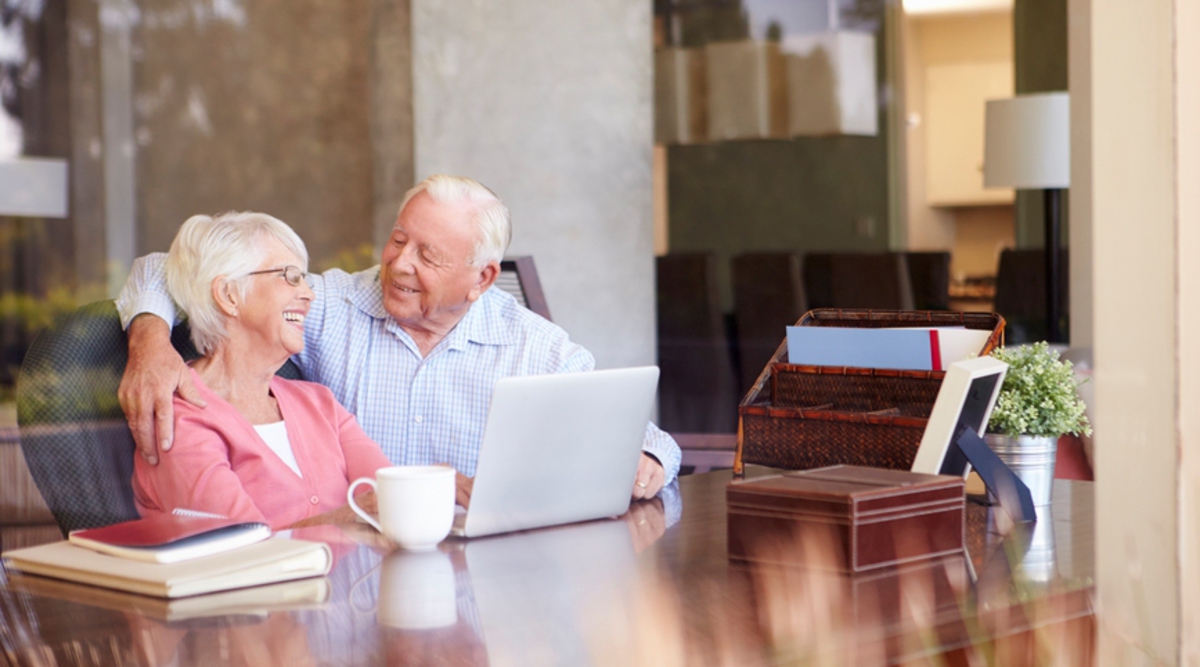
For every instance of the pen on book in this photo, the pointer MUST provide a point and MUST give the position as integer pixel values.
(179, 511)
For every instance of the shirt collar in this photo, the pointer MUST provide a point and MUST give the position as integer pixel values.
(483, 323)
(368, 295)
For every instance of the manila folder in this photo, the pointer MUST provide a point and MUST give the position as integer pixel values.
(276, 559)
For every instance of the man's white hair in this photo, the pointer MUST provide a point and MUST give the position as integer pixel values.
(229, 246)
(491, 215)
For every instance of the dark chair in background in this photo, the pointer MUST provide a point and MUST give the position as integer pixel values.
(818, 290)
(73, 434)
(519, 277)
(1021, 293)
(697, 391)
(768, 296)
(929, 276)
(874, 280)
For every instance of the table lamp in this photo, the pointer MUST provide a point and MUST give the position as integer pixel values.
(1027, 145)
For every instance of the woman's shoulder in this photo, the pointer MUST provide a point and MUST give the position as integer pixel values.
(215, 406)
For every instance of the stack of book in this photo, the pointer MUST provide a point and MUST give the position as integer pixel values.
(175, 556)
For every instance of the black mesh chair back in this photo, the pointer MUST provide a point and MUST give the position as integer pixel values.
(929, 275)
(768, 296)
(697, 390)
(1021, 293)
(74, 436)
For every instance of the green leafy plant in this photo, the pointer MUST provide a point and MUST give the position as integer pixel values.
(1038, 396)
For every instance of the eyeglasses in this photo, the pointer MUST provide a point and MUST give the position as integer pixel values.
(292, 274)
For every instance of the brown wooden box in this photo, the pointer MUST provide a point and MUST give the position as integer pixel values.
(877, 518)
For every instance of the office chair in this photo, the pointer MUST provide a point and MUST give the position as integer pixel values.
(697, 390)
(858, 280)
(1021, 293)
(768, 297)
(519, 277)
(929, 275)
(877, 281)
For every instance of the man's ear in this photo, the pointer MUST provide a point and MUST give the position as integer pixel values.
(487, 277)
(226, 296)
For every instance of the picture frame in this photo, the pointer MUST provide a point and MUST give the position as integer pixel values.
(965, 400)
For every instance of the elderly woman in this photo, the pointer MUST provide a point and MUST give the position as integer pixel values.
(264, 448)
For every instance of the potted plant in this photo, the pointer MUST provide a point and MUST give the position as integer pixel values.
(1037, 404)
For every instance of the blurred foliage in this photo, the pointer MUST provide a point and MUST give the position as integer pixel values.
(36, 314)
(30, 315)
(351, 259)
(43, 398)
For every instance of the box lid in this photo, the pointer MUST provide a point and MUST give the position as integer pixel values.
(842, 489)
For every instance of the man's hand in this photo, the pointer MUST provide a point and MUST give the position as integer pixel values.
(650, 478)
(153, 374)
(463, 486)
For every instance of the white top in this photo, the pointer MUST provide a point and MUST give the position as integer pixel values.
(276, 437)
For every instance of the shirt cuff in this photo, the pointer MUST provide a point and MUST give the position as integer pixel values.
(663, 448)
(147, 302)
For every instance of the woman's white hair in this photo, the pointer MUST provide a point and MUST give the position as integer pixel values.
(491, 215)
(228, 246)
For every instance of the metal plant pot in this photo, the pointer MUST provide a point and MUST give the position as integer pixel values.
(1031, 457)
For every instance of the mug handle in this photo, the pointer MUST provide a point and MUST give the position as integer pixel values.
(354, 506)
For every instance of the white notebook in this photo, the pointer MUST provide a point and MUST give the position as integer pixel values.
(267, 562)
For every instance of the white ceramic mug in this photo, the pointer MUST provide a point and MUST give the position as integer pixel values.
(417, 591)
(416, 504)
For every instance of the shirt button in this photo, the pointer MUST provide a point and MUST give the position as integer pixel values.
(314, 500)
(418, 419)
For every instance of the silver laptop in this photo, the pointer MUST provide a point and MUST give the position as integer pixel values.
(558, 449)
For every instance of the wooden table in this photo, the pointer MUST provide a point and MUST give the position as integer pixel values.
(611, 592)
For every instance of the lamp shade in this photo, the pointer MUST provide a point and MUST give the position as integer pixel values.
(34, 187)
(1027, 143)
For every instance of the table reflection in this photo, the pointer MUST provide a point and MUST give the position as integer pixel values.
(633, 590)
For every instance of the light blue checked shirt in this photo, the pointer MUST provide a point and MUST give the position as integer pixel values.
(419, 410)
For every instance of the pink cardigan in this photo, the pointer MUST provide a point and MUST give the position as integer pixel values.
(219, 463)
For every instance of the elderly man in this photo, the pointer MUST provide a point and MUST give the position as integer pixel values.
(412, 347)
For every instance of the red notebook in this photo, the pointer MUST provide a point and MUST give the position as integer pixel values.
(169, 538)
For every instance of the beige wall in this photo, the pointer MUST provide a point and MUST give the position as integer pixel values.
(1144, 215)
(1079, 196)
(1187, 110)
(928, 228)
(974, 234)
(550, 104)
(960, 38)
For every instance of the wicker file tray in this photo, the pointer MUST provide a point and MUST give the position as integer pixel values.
(802, 417)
